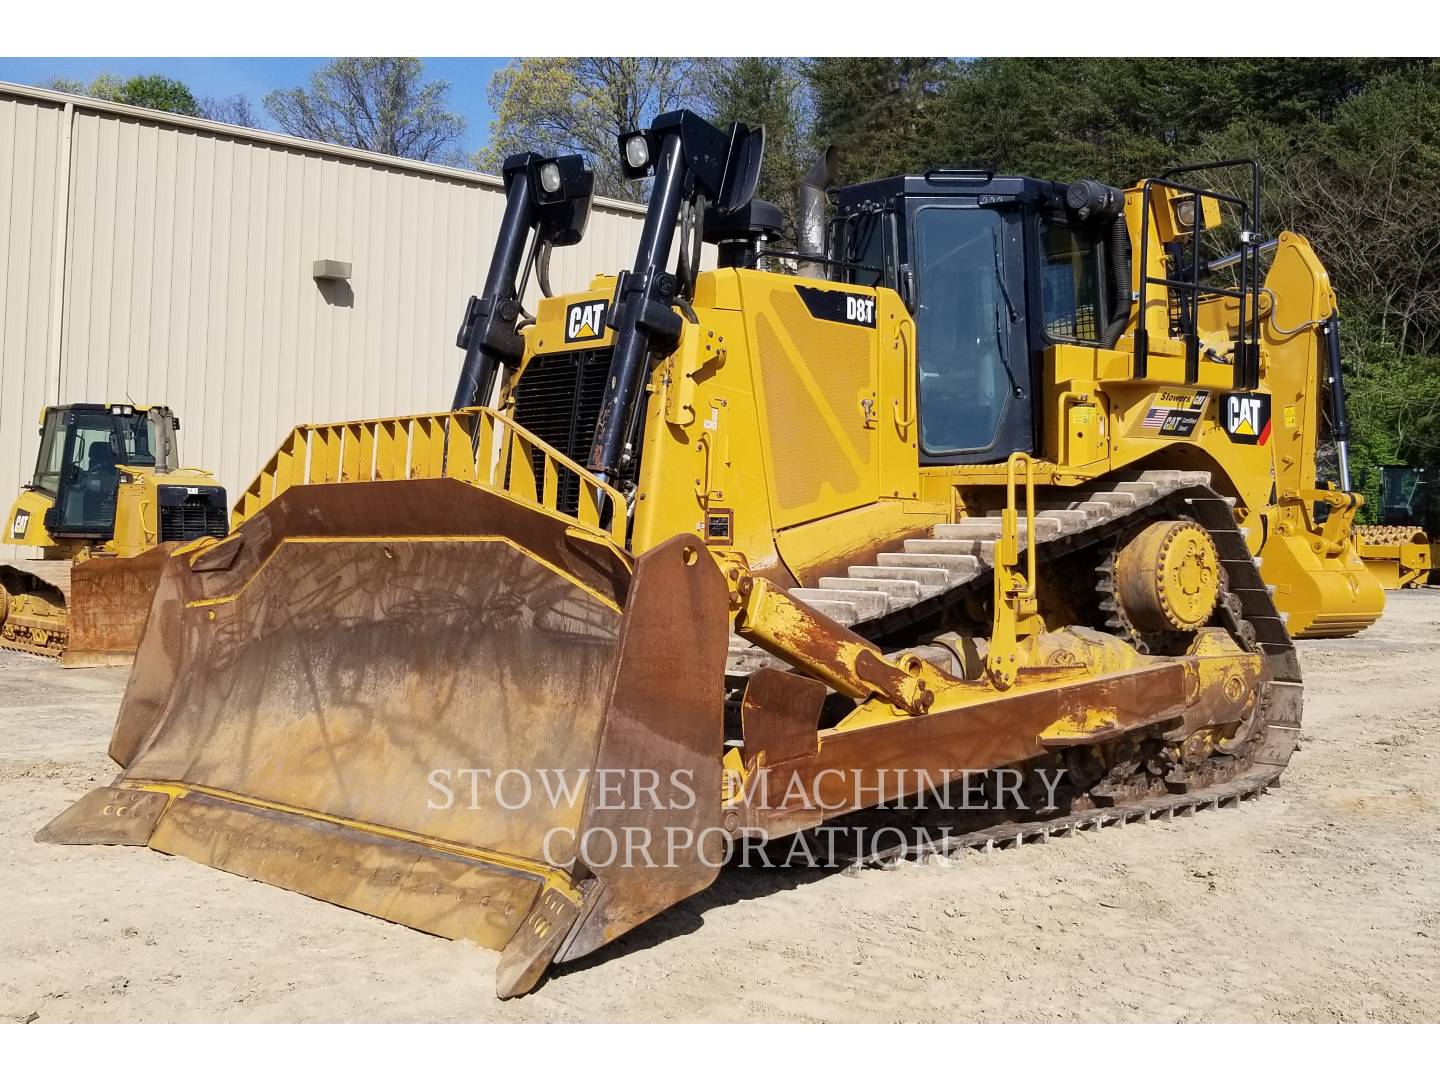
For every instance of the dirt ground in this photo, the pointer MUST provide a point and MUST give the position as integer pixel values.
(1320, 901)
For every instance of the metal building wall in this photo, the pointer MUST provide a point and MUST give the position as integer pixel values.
(31, 160)
(157, 259)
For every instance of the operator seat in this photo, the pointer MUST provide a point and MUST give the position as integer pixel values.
(99, 484)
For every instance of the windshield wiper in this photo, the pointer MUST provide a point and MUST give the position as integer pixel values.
(1005, 355)
(1000, 277)
(999, 327)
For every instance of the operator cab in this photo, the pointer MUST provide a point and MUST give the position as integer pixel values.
(81, 447)
(1404, 496)
(995, 269)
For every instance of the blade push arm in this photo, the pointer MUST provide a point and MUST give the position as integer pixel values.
(794, 631)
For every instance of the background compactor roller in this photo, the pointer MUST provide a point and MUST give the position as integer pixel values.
(107, 504)
(1398, 550)
(738, 554)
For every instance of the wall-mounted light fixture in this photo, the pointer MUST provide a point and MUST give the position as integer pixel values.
(330, 270)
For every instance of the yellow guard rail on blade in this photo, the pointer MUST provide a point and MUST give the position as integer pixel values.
(478, 446)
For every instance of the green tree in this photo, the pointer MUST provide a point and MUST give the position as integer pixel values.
(1110, 119)
(1117, 119)
(381, 103)
(143, 91)
(879, 111)
(581, 105)
(159, 92)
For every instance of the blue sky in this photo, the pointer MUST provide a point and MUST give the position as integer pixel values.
(255, 77)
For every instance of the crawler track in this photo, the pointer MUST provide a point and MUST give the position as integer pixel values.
(932, 580)
(48, 579)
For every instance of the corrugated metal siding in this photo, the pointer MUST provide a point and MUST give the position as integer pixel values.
(187, 277)
(30, 137)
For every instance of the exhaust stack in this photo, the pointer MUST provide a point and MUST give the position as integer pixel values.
(813, 207)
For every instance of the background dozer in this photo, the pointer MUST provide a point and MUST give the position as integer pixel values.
(107, 504)
(1398, 550)
(738, 554)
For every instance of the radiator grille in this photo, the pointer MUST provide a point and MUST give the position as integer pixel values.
(558, 401)
(197, 515)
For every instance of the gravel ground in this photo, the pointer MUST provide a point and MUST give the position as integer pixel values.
(1319, 901)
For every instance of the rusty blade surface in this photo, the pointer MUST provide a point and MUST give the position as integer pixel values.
(402, 881)
(109, 602)
(396, 696)
(663, 738)
(374, 678)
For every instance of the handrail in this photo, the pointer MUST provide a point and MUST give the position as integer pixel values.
(477, 446)
(908, 364)
(1247, 345)
(1010, 521)
(1015, 615)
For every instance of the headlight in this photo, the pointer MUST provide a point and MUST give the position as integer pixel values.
(1185, 211)
(550, 177)
(637, 151)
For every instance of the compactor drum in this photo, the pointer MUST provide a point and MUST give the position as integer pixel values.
(1399, 551)
(735, 556)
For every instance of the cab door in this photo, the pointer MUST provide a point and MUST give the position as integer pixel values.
(973, 354)
(89, 479)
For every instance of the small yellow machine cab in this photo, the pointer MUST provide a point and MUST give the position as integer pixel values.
(1399, 550)
(107, 501)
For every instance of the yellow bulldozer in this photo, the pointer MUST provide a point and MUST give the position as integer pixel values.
(106, 506)
(1398, 550)
(702, 561)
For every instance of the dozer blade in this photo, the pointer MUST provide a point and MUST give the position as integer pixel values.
(108, 603)
(435, 704)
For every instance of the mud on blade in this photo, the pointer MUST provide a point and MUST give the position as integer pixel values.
(109, 602)
(397, 697)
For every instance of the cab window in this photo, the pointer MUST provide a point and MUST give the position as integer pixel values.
(865, 239)
(963, 323)
(90, 477)
(51, 462)
(1070, 276)
(138, 438)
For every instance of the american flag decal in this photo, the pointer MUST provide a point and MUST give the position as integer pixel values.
(1154, 419)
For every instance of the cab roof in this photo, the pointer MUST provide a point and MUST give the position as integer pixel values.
(948, 183)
